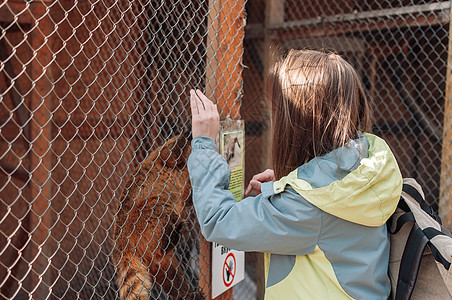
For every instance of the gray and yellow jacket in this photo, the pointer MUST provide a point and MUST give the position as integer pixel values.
(322, 226)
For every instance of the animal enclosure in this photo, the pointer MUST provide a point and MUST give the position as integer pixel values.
(90, 89)
(87, 91)
(401, 50)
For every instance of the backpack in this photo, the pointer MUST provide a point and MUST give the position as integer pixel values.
(417, 271)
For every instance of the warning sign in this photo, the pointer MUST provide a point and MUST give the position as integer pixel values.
(228, 268)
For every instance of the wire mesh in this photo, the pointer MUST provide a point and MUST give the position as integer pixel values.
(88, 91)
(398, 47)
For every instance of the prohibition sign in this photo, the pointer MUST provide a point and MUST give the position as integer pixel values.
(229, 270)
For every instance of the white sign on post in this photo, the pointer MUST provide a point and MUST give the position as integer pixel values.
(228, 268)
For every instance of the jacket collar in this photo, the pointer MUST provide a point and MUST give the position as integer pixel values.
(360, 182)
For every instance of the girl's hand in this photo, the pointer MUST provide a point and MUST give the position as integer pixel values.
(258, 179)
(205, 117)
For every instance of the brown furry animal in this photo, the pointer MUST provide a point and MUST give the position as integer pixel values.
(151, 223)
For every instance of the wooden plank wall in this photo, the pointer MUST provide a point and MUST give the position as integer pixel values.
(80, 88)
(90, 103)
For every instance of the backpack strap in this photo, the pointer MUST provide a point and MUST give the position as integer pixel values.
(413, 192)
(406, 217)
(431, 233)
(417, 240)
(410, 263)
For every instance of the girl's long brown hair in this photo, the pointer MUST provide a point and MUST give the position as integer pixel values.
(318, 105)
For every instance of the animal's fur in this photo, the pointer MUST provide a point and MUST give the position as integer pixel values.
(151, 223)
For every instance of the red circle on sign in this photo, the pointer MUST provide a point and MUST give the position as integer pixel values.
(226, 268)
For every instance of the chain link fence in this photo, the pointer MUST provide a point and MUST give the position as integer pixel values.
(400, 50)
(93, 92)
(88, 91)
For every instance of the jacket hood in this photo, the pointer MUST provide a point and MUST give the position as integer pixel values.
(368, 195)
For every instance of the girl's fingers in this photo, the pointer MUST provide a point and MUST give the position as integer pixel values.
(205, 117)
(208, 104)
(206, 101)
(258, 179)
(248, 189)
(253, 185)
(267, 175)
(194, 102)
(214, 110)
(203, 99)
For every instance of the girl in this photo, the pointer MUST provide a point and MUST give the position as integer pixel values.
(320, 215)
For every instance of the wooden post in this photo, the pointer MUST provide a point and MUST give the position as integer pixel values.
(226, 22)
(39, 256)
(445, 202)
